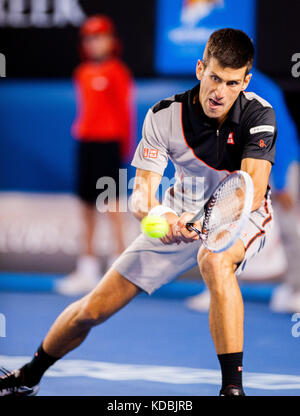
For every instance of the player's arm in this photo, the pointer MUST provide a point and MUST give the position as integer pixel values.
(259, 170)
(152, 153)
(143, 200)
(143, 195)
(259, 134)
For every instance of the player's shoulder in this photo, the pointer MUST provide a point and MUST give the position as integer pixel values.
(254, 108)
(166, 103)
(253, 100)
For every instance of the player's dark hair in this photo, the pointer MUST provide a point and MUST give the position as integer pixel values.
(231, 47)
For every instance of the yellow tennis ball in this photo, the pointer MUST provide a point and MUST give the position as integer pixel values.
(154, 226)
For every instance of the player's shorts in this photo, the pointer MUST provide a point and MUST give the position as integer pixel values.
(149, 264)
(96, 160)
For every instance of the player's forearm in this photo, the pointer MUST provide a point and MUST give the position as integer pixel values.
(257, 199)
(259, 170)
(143, 195)
(141, 204)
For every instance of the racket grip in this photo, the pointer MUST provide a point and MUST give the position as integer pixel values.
(190, 227)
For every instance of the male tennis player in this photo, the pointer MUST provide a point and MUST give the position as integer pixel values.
(214, 128)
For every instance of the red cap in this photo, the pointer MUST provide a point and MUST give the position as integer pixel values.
(97, 24)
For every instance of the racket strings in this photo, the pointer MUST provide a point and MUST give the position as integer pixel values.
(224, 212)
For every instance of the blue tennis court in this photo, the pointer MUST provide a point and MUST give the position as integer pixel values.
(155, 346)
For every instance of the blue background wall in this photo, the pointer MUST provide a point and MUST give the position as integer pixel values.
(37, 152)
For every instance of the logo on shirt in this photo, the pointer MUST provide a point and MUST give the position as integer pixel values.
(150, 153)
(262, 143)
(230, 138)
(263, 128)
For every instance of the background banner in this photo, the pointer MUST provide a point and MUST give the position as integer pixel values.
(184, 26)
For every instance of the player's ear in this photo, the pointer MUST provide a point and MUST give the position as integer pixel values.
(199, 69)
(246, 81)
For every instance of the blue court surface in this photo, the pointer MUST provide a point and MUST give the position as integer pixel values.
(155, 346)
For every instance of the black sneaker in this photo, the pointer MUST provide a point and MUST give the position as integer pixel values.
(11, 384)
(231, 390)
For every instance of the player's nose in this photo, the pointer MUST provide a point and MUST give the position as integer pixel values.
(219, 92)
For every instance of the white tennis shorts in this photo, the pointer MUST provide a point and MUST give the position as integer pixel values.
(149, 264)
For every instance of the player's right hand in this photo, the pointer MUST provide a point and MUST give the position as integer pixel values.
(181, 232)
(177, 229)
(170, 238)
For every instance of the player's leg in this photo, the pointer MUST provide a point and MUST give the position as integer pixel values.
(112, 293)
(226, 313)
(72, 326)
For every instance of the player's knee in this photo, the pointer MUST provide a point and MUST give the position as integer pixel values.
(215, 269)
(210, 264)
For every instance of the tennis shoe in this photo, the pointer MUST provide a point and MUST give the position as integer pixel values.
(12, 384)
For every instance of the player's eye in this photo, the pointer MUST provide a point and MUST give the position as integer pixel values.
(215, 78)
(232, 83)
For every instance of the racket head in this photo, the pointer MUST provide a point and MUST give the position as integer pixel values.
(227, 211)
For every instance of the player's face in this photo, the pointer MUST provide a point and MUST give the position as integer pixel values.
(98, 46)
(219, 87)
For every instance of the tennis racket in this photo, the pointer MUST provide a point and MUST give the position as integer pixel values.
(225, 213)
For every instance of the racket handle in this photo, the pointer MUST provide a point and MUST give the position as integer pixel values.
(190, 227)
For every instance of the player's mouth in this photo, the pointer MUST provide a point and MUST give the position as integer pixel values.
(213, 104)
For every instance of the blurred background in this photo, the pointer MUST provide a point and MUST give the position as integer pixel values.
(144, 349)
(40, 225)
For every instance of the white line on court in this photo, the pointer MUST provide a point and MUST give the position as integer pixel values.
(154, 373)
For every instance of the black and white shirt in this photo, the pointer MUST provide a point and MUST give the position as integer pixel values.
(177, 129)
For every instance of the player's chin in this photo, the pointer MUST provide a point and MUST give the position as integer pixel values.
(215, 111)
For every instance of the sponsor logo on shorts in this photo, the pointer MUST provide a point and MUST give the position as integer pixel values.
(150, 153)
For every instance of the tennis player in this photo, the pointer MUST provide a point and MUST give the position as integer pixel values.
(208, 131)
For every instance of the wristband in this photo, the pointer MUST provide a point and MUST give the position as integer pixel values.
(160, 210)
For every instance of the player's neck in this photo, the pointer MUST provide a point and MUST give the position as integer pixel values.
(221, 120)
